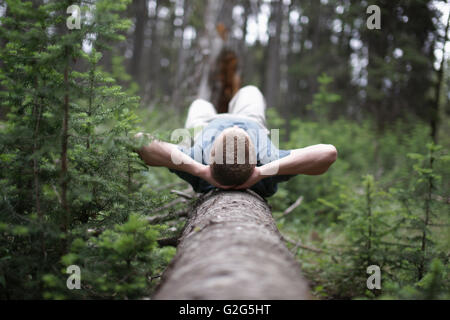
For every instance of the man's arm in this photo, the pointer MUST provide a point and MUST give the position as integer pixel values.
(164, 154)
(312, 160)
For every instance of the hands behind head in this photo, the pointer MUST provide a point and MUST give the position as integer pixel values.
(205, 174)
(252, 180)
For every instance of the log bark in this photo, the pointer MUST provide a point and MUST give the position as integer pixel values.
(231, 249)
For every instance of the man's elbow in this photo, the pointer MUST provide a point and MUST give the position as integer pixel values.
(138, 140)
(145, 146)
(331, 154)
(329, 157)
(144, 140)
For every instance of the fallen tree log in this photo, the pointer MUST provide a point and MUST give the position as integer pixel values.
(231, 249)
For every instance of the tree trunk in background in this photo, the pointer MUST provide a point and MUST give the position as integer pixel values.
(211, 44)
(141, 14)
(3, 110)
(435, 109)
(272, 76)
(288, 101)
(153, 62)
(179, 75)
(231, 249)
(224, 78)
(314, 30)
(242, 49)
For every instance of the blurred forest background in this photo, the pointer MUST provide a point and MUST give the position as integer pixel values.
(74, 192)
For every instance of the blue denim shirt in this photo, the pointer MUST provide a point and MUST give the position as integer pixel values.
(265, 153)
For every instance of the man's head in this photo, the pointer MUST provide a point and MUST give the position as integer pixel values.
(233, 157)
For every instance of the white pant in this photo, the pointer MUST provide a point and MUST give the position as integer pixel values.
(247, 103)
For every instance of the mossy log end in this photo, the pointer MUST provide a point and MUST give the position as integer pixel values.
(231, 249)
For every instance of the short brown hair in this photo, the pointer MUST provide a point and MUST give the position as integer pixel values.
(235, 165)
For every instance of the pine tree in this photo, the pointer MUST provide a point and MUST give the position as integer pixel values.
(68, 171)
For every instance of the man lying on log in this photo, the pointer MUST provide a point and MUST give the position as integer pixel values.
(233, 150)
